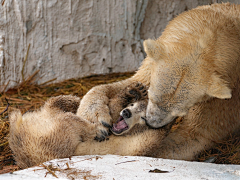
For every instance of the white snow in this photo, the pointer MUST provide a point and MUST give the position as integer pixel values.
(126, 167)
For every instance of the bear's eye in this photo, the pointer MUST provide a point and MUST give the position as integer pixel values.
(132, 105)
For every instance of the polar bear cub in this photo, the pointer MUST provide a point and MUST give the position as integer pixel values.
(130, 117)
(55, 131)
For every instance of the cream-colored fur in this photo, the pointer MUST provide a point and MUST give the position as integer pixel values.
(132, 93)
(133, 114)
(193, 72)
(55, 131)
(138, 140)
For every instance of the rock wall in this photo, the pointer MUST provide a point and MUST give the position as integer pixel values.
(76, 38)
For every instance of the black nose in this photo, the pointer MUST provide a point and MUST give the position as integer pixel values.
(126, 113)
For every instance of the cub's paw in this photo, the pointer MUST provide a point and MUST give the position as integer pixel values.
(137, 91)
(103, 130)
(96, 112)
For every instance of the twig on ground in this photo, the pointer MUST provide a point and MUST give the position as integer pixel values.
(6, 107)
(49, 170)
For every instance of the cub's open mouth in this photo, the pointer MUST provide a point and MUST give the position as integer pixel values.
(120, 126)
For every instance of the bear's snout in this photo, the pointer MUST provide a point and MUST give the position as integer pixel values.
(126, 113)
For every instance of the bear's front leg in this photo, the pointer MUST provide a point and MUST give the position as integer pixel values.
(94, 106)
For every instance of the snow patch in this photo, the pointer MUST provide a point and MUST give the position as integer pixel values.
(125, 167)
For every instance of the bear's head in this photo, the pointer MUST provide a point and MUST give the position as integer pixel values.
(130, 117)
(182, 74)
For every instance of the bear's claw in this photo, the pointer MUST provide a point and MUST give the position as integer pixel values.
(137, 91)
(102, 137)
(105, 133)
(106, 125)
(99, 139)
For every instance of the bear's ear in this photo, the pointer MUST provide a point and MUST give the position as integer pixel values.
(219, 89)
(152, 49)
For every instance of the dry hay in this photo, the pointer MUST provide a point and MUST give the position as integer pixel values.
(28, 96)
(225, 152)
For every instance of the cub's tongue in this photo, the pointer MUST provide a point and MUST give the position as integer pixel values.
(120, 125)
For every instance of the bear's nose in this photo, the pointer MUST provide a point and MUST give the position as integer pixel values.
(126, 113)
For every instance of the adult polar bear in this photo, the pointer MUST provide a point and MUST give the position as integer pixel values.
(193, 72)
